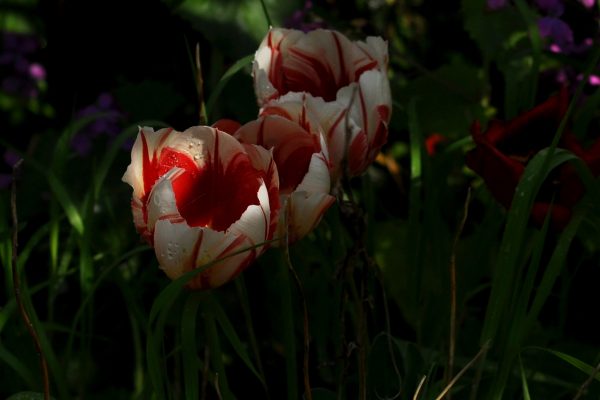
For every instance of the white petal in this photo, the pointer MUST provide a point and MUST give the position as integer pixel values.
(176, 246)
(161, 202)
(317, 178)
(254, 222)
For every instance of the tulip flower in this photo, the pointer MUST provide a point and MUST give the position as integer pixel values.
(505, 148)
(300, 154)
(346, 86)
(200, 196)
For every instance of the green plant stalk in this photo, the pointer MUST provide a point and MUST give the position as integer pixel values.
(240, 286)
(289, 331)
(518, 216)
(191, 365)
(216, 355)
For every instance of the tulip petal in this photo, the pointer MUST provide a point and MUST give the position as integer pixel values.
(180, 248)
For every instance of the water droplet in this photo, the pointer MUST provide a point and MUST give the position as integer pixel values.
(196, 157)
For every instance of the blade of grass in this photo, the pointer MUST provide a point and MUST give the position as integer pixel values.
(573, 361)
(514, 236)
(244, 301)
(214, 342)
(157, 321)
(12, 361)
(191, 366)
(557, 261)
(289, 330)
(524, 385)
(232, 337)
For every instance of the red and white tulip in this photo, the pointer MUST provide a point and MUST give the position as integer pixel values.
(300, 153)
(347, 81)
(200, 196)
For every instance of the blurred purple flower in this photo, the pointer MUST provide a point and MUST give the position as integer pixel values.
(554, 8)
(587, 3)
(106, 124)
(37, 71)
(594, 80)
(299, 17)
(496, 4)
(10, 158)
(20, 75)
(558, 32)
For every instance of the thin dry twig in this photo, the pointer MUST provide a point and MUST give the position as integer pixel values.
(419, 388)
(587, 382)
(452, 344)
(481, 352)
(17, 283)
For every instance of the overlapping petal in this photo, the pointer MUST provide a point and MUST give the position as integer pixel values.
(345, 83)
(300, 154)
(200, 196)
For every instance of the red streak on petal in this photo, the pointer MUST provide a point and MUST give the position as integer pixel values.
(367, 67)
(363, 111)
(344, 76)
(333, 127)
(317, 78)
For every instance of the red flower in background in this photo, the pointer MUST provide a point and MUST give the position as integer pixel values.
(504, 149)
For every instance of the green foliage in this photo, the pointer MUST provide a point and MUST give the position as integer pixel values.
(375, 274)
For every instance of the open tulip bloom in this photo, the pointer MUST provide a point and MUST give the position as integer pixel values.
(300, 154)
(346, 86)
(505, 148)
(200, 196)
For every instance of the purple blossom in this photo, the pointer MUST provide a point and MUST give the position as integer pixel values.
(20, 74)
(106, 124)
(37, 71)
(11, 158)
(557, 32)
(587, 3)
(299, 17)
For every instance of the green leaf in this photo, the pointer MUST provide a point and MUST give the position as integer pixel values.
(524, 385)
(580, 365)
(233, 338)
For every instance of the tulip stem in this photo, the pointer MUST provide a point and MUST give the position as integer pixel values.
(306, 336)
(243, 295)
(200, 88)
(216, 356)
(17, 282)
(266, 12)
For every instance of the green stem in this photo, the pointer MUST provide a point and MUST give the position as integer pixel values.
(216, 356)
